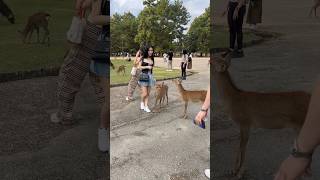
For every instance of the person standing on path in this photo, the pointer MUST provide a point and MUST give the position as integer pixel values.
(170, 57)
(184, 63)
(236, 10)
(77, 65)
(254, 15)
(134, 76)
(146, 65)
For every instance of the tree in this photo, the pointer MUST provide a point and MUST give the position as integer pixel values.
(198, 36)
(161, 23)
(123, 31)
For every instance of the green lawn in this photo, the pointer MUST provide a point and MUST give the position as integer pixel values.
(159, 73)
(221, 37)
(16, 56)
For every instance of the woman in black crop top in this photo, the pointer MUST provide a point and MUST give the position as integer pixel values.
(146, 66)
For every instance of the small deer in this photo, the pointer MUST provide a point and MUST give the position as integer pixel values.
(35, 22)
(7, 12)
(186, 95)
(122, 69)
(316, 4)
(256, 110)
(161, 93)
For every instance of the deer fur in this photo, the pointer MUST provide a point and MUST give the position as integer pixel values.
(122, 69)
(35, 22)
(257, 110)
(186, 95)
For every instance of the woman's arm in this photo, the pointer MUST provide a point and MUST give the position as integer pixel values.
(204, 109)
(96, 18)
(307, 141)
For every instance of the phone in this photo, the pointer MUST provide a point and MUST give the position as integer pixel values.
(202, 124)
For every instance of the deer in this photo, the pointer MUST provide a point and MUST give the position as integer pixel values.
(122, 69)
(161, 93)
(276, 110)
(316, 4)
(187, 95)
(7, 12)
(35, 22)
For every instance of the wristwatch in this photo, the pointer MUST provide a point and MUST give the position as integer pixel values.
(295, 152)
(204, 110)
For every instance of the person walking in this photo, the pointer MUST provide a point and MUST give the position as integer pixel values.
(254, 15)
(135, 73)
(170, 58)
(184, 63)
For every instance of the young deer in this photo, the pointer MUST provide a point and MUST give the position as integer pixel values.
(194, 96)
(161, 93)
(35, 22)
(257, 110)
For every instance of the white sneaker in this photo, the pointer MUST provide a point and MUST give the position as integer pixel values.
(146, 109)
(54, 118)
(207, 173)
(142, 106)
(103, 139)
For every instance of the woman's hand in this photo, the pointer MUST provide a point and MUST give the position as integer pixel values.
(200, 116)
(293, 168)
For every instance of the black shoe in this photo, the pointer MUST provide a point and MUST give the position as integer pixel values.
(237, 54)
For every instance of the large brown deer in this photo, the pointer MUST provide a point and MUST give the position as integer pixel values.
(187, 95)
(35, 22)
(255, 109)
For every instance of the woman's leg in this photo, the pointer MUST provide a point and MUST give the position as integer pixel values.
(239, 24)
(232, 26)
(146, 100)
(181, 70)
(144, 93)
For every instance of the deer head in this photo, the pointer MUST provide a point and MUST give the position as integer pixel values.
(222, 62)
(177, 81)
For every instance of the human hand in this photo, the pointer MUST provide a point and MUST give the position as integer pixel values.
(235, 13)
(293, 168)
(200, 116)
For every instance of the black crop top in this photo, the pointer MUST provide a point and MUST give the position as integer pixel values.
(147, 64)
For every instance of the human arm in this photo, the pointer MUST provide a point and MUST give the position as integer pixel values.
(236, 11)
(307, 141)
(204, 109)
(224, 12)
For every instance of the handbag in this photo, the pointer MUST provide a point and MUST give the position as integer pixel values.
(144, 77)
(133, 71)
(75, 32)
(102, 48)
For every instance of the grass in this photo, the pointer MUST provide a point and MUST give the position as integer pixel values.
(221, 37)
(159, 73)
(16, 56)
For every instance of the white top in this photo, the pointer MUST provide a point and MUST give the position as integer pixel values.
(184, 58)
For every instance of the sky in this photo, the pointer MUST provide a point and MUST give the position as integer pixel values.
(195, 7)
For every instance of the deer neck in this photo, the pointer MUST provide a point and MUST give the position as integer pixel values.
(180, 88)
(226, 88)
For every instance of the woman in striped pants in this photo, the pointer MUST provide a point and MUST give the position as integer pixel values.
(77, 65)
(134, 78)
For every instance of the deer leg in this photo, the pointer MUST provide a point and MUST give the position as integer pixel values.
(167, 98)
(30, 35)
(244, 137)
(185, 110)
(38, 39)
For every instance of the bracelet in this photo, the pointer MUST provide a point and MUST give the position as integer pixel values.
(297, 154)
(204, 110)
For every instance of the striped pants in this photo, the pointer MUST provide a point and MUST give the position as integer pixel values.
(73, 71)
(133, 83)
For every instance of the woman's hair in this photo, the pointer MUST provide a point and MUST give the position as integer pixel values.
(145, 51)
(184, 51)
